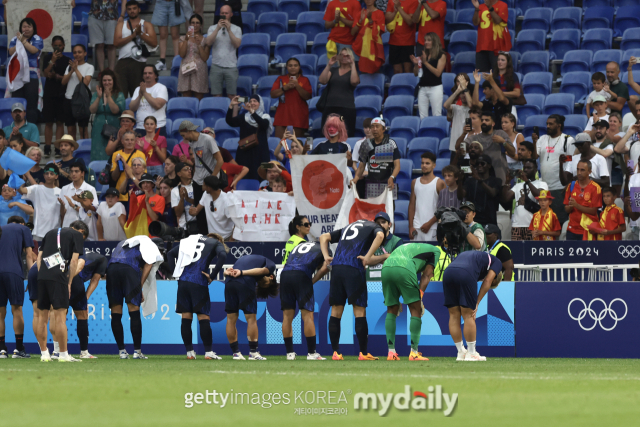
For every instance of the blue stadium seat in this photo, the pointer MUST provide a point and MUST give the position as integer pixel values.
(368, 105)
(404, 127)
(463, 4)
(96, 166)
(463, 20)
(525, 5)
(401, 211)
(539, 120)
(559, 103)
(538, 18)
(630, 39)
(449, 19)
(447, 83)
(436, 127)
(621, 3)
(255, 44)
(258, 7)
(576, 83)
(576, 60)
(626, 17)
(403, 84)
(443, 149)
(396, 106)
(248, 185)
(273, 23)
(463, 41)
(273, 142)
(515, 60)
(171, 144)
(80, 39)
(556, 4)
(244, 86)
(593, 3)
(406, 167)
(625, 59)
(230, 144)
(175, 66)
(4, 42)
(178, 108)
(370, 84)
(440, 164)
(290, 44)
(321, 64)
(224, 131)
(401, 229)
(511, 21)
(534, 105)
(313, 113)
(175, 126)
(402, 146)
(598, 39)
(310, 24)
(171, 83)
(465, 62)
(404, 189)
(417, 146)
(293, 7)
(540, 82)
(625, 79)
(575, 123)
(212, 109)
(566, 18)
(534, 61)
(319, 47)
(563, 41)
(248, 23)
(308, 63)
(254, 66)
(602, 57)
(530, 40)
(597, 17)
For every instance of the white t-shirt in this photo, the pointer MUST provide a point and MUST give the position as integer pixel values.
(91, 219)
(175, 201)
(634, 181)
(85, 69)
(218, 220)
(460, 113)
(69, 190)
(522, 217)
(633, 147)
(145, 110)
(598, 166)
(549, 151)
(609, 159)
(590, 122)
(46, 207)
(109, 216)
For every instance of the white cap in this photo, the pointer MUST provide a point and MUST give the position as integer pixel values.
(378, 121)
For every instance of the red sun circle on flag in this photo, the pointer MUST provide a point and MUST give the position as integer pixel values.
(44, 22)
(322, 184)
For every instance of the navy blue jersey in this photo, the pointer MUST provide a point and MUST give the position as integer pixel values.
(128, 256)
(15, 237)
(206, 250)
(354, 240)
(306, 257)
(93, 264)
(249, 262)
(477, 263)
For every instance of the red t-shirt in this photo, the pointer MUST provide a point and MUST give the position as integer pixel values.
(350, 10)
(294, 111)
(493, 37)
(612, 218)
(590, 197)
(231, 170)
(428, 25)
(403, 35)
(150, 152)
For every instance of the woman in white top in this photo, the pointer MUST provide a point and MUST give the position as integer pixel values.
(457, 107)
(509, 126)
(615, 123)
(78, 70)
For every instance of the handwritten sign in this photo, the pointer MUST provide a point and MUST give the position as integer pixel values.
(261, 216)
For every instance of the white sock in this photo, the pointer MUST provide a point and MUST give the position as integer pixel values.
(45, 352)
(64, 354)
(392, 350)
(123, 351)
(56, 347)
(460, 347)
(472, 347)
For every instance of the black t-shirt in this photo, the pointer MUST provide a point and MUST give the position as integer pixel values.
(71, 242)
(327, 147)
(504, 255)
(53, 87)
(380, 172)
(486, 206)
(498, 109)
(354, 240)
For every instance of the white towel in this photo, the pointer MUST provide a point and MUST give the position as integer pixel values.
(18, 69)
(151, 255)
(185, 254)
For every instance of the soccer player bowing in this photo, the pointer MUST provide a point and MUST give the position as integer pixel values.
(357, 243)
(192, 258)
(460, 283)
(251, 277)
(296, 286)
(57, 266)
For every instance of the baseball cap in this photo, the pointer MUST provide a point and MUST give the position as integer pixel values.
(485, 158)
(492, 229)
(50, 167)
(17, 106)
(545, 194)
(383, 215)
(112, 192)
(181, 166)
(468, 205)
(186, 125)
(86, 195)
(601, 124)
(378, 121)
(598, 98)
(582, 137)
(147, 178)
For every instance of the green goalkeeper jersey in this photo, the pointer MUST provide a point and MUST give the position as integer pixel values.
(413, 257)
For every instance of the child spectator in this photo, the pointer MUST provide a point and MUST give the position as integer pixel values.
(612, 218)
(279, 185)
(111, 218)
(598, 79)
(182, 194)
(143, 208)
(183, 152)
(11, 205)
(270, 171)
(449, 196)
(544, 224)
(234, 173)
(599, 103)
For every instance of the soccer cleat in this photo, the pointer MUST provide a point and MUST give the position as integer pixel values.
(20, 354)
(161, 66)
(84, 354)
(191, 355)
(3, 354)
(416, 355)
(461, 355)
(315, 356)
(256, 356)
(139, 355)
(124, 354)
(337, 356)
(68, 358)
(238, 356)
(291, 356)
(368, 356)
(55, 355)
(393, 356)
(45, 357)
(210, 355)
(475, 357)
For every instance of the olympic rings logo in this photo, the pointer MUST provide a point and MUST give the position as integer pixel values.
(240, 251)
(607, 310)
(629, 251)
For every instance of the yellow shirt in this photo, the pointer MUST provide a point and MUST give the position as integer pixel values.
(123, 175)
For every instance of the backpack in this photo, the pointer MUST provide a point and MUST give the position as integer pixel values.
(80, 102)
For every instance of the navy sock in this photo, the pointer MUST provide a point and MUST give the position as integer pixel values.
(253, 346)
(187, 336)
(19, 344)
(118, 331)
(235, 348)
(82, 327)
(288, 343)
(206, 334)
(362, 332)
(311, 344)
(136, 329)
(334, 333)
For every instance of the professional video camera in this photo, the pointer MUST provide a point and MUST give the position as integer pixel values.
(451, 227)
(167, 232)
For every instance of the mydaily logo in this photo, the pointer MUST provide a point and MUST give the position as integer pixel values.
(418, 401)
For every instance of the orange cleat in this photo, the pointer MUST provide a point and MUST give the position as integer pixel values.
(393, 356)
(367, 357)
(337, 356)
(416, 356)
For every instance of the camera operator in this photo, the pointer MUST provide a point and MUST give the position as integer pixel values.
(456, 230)
(483, 189)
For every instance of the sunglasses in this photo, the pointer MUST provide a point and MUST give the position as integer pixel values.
(211, 207)
(306, 224)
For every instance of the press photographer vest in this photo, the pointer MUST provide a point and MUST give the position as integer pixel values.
(467, 247)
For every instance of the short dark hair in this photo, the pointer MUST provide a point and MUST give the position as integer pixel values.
(31, 22)
(81, 227)
(16, 219)
(586, 162)
(428, 155)
(2, 134)
(132, 3)
(451, 169)
(528, 145)
(271, 291)
(486, 85)
(486, 113)
(56, 38)
(174, 159)
(532, 161)
(79, 45)
(78, 164)
(475, 110)
(599, 77)
(154, 70)
(559, 118)
(214, 183)
(279, 179)
(610, 190)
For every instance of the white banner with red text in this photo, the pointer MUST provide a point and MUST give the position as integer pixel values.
(261, 216)
(354, 208)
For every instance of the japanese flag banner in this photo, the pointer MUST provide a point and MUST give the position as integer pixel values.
(354, 208)
(319, 187)
(261, 216)
(52, 18)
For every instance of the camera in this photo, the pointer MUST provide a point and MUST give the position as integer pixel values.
(166, 232)
(451, 227)
(243, 99)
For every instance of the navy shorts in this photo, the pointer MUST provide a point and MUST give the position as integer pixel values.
(296, 287)
(193, 298)
(52, 294)
(238, 296)
(32, 285)
(347, 284)
(78, 300)
(123, 283)
(11, 289)
(460, 288)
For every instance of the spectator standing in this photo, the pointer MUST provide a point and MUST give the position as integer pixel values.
(355, 159)
(599, 171)
(20, 125)
(336, 133)
(235, 173)
(120, 157)
(495, 143)
(182, 195)
(235, 5)
(521, 214)
(582, 201)
(134, 175)
(629, 144)
(295, 148)
(339, 17)
(216, 206)
(54, 66)
(144, 208)
(507, 79)
(192, 78)
(45, 202)
(599, 104)
(35, 175)
(598, 81)
(515, 139)
(111, 218)
(127, 124)
(448, 197)
(164, 16)
(67, 145)
(170, 169)
(426, 189)
(402, 26)
(432, 63)
(483, 190)
(150, 99)
(612, 223)
(633, 103)
(341, 83)
(632, 180)
(153, 146)
(601, 144)
(68, 193)
(615, 123)
(293, 91)
(494, 102)
(77, 71)
(368, 30)
(457, 106)
(107, 103)
(430, 18)
(103, 18)
(168, 215)
(617, 89)
(544, 223)
(491, 18)
(33, 44)
(129, 36)
(224, 38)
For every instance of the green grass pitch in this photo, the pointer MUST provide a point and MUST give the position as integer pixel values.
(500, 392)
